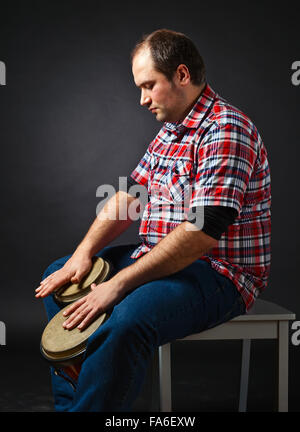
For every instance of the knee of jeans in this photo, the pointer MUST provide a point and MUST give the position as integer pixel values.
(48, 271)
(56, 265)
(50, 306)
(131, 326)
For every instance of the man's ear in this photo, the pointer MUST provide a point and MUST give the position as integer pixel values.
(183, 74)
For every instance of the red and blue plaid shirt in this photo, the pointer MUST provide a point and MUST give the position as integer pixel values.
(217, 152)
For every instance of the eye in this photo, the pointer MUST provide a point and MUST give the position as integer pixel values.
(149, 86)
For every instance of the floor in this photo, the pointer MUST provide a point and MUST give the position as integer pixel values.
(205, 377)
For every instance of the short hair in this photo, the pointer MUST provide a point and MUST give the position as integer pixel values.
(169, 49)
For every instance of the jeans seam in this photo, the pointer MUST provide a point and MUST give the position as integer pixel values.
(238, 302)
(125, 394)
(169, 317)
(219, 288)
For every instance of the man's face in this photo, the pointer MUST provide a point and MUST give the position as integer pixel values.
(163, 98)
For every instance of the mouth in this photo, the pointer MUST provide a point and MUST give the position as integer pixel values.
(152, 109)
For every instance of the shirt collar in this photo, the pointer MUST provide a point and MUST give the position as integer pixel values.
(197, 113)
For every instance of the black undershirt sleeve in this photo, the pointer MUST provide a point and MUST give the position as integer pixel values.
(213, 220)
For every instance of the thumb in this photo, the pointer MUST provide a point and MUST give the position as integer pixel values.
(77, 277)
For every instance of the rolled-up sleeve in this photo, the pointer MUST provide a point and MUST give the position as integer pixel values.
(226, 159)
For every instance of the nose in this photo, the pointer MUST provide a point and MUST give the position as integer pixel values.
(145, 98)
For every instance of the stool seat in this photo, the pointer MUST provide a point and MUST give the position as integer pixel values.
(267, 311)
(265, 320)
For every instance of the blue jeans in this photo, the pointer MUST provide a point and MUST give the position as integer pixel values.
(119, 352)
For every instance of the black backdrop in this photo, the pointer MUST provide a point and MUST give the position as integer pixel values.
(70, 121)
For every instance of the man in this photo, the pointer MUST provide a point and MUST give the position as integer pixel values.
(204, 254)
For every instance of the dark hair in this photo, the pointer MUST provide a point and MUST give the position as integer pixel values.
(169, 49)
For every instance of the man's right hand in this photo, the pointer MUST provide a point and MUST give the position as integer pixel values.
(73, 271)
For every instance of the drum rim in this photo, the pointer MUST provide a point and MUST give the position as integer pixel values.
(102, 277)
(64, 358)
(61, 289)
(75, 350)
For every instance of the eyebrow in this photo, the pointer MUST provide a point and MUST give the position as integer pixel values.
(145, 83)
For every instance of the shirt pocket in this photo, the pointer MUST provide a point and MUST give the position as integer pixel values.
(156, 178)
(178, 181)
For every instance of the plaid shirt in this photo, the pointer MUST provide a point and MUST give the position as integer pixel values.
(217, 154)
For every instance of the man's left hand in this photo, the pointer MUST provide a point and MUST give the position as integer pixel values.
(85, 310)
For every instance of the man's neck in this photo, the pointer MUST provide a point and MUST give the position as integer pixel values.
(193, 96)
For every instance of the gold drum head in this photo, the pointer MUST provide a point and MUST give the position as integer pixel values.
(72, 292)
(58, 343)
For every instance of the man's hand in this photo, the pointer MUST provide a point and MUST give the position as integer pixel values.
(178, 249)
(102, 232)
(73, 271)
(85, 310)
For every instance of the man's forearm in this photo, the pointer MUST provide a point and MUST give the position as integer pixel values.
(107, 225)
(174, 252)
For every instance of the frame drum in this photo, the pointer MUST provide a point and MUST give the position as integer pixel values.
(64, 349)
(69, 293)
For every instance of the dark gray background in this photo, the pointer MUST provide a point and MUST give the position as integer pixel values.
(70, 121)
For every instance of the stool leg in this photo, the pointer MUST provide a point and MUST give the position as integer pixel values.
(2, 333)
(244, 375)
(164, 352)
(283, 365)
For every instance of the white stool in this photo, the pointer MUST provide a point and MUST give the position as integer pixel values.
(2, 333)
(265, 320)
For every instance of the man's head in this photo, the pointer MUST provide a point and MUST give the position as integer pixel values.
(170, 73)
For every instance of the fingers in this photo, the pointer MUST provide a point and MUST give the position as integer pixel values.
(88, 319)
(44, 290)
(53, 281)
(75, 279)
(82, 312)
(57, 279)
(74, 306)
(78, 276)
(77, 317)
(93, 286)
